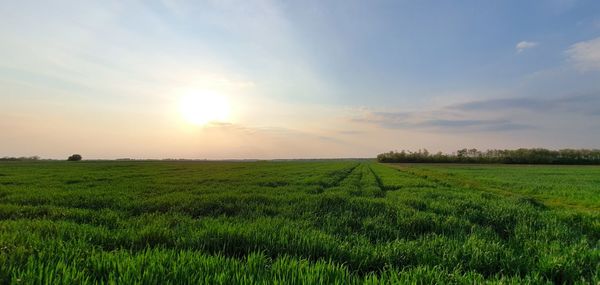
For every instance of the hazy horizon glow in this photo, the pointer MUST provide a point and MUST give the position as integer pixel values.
(296, 79)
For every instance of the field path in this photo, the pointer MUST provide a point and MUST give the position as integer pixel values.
(462, 181)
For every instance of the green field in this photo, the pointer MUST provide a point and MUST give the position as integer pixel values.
(297, 222)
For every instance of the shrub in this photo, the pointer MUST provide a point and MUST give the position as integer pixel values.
(75, 157)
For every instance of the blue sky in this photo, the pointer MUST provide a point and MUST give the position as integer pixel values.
(302, 78)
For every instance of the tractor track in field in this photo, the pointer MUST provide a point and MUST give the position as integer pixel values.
(378, 180)
(342, 178)
(464, 182)
(444, 180)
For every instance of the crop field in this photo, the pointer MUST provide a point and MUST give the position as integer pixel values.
(297, 222)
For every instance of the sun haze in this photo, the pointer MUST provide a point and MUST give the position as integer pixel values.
(295, 79)
(201, 107)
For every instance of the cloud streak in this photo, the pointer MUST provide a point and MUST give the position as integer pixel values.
(582, 104)
(523, 45)
(493, 115)
(417, 121)
(437, 122)
(585, 55)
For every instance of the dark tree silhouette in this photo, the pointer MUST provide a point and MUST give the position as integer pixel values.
(75, 157)
(522, 155)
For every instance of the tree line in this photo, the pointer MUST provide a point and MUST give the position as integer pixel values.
(74, 157)
(22, 158)
(509, 156)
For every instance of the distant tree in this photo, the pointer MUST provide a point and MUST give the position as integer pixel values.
(75, 157)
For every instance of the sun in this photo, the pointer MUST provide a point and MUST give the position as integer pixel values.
(201, 108)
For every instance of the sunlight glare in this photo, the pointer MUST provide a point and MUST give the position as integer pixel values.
(200, 108)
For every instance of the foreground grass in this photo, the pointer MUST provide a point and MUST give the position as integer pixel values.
(344, 222)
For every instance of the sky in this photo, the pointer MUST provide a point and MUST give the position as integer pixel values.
(296, 79)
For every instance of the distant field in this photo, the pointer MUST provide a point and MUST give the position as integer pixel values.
(343, 222)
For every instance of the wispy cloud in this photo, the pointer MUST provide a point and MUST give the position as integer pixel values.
(351, 132)
(585, 55)
(523, 45)
(271, 131)
(492, 115)
(503, 103)
(475, 125)
(438, 121)
(582, 104)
